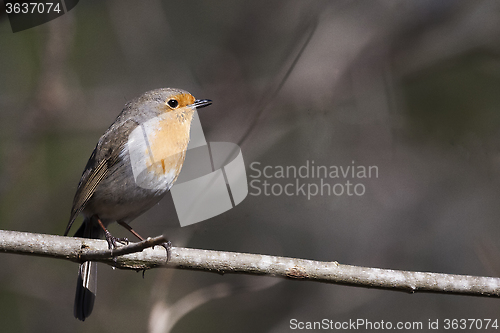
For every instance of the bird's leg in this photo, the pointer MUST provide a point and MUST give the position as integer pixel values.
(112, 241)
(167, 245)
(129, 228)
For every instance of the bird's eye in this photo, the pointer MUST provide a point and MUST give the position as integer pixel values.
(173, 103)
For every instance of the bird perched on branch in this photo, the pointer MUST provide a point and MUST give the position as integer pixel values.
(135, 162)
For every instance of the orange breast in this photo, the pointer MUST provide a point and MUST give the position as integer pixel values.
(158, 147)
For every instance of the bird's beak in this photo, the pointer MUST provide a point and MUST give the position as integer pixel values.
(201, 103)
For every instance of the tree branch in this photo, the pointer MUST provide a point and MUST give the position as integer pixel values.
(81, 249)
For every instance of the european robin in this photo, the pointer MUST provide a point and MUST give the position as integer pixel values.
(135, 162)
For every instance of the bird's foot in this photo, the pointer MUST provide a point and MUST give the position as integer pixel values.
(113, 241)
(168, 247)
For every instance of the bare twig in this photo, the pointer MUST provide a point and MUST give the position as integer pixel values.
(74, 249)
(163, 317)
(132, 256)
(122, 250)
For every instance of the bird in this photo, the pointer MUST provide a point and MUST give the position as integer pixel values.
(134, 164)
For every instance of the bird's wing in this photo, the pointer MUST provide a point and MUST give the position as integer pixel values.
(105, 155)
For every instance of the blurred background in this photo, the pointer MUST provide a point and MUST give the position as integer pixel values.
(411, 87)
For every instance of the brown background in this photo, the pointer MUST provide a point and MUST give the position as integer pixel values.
(409, 86)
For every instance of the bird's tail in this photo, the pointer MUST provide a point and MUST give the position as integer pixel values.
(87, 275)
